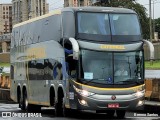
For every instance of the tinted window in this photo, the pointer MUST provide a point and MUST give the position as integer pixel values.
(108, 27)
(57, 71)
(48, 69)
(12, 71)
(112, 68)
(32, 70)
(40, 69)
(44, 69)
(93, 23)
(125, 24)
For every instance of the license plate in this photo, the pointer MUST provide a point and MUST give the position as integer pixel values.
(113, 105)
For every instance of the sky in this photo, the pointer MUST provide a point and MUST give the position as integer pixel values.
(156, 7)
(55, 4)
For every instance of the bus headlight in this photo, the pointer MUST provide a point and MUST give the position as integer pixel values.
(138, 94)
(83, 92)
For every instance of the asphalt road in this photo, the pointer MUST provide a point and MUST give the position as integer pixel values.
(152, 74)
(48, 114)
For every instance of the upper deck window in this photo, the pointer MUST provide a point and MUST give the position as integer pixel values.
(124, 24)
(93, 23)
(109, 27)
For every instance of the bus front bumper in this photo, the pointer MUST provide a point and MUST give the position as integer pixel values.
(119, 103)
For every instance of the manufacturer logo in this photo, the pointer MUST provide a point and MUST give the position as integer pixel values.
(113, 97)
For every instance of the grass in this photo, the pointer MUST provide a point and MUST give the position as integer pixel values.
(4, 64)
(155, 65)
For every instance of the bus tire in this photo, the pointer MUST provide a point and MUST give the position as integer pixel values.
(121, 113)
(29, 107)
(24, 101)
(66, 111)
(59, 109)
(19, 98)
(59, 106)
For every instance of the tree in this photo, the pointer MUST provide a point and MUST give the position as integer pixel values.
(131, 4)
(157, 26)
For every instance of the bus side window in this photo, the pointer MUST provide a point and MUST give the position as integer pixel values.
(31, 70)
(40, 69)
(46, 69)
(71, 66)
(57, 71)
(12, 72)
(50, 69)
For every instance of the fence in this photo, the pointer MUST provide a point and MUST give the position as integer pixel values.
(156, 51)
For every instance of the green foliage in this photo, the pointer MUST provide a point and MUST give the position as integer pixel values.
(4, 64)
(139, 9)
(155, 65)
(157, 26)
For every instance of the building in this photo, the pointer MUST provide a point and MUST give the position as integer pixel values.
(76, 3)
(26, 9)
(5, 41)
(5, 18)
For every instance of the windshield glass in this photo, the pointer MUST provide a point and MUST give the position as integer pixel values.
(111, 68)
(128, 67)
(98, 23)
(96, 65)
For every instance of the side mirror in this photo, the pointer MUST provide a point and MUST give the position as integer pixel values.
(151, 49)
(75, 48)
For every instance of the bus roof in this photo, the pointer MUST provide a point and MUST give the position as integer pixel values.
(38, 18)
(99, 9)
(74, 9)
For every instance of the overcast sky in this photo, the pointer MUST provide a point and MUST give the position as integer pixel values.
(54, 4)
(156, 6)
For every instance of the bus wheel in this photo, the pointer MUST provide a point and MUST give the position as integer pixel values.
(59, 108)
(24, 103)
(66, 111)
(110, 113)
(19, 98)
(121, 113)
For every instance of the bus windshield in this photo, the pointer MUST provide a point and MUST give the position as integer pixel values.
(111, 68)
(104, 24)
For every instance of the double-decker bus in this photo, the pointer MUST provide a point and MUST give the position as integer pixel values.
(84, 58)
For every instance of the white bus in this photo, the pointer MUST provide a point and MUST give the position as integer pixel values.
(69, 59)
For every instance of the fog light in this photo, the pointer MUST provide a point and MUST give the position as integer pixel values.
(140, 103)
(83, 102)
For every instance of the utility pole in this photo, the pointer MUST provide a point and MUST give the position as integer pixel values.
(78, 3)
(150, 20)
(153, 20)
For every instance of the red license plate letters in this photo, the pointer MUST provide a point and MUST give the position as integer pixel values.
(113, 105)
